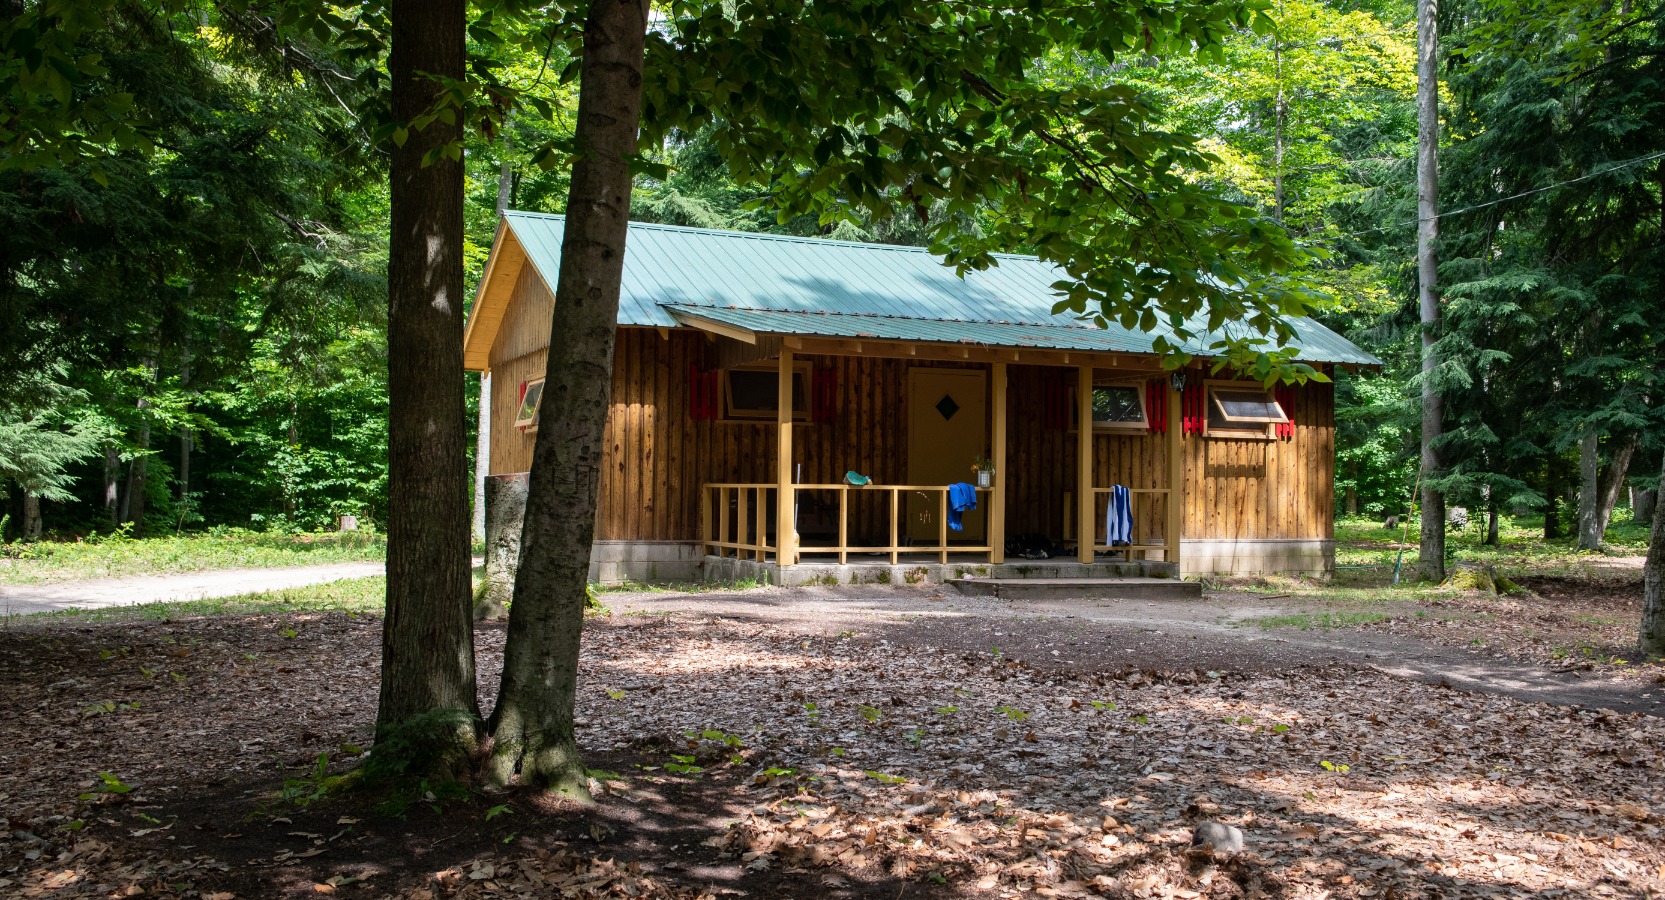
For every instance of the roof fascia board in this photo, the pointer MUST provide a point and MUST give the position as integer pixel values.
(721, 329)
(491, 304)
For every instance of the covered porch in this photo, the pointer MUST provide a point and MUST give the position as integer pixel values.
(946, 405)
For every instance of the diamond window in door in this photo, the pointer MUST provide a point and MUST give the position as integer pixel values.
(947, 407)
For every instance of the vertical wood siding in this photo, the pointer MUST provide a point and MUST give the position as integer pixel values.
(658, 456)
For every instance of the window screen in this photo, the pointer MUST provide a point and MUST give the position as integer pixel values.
(755, 393)
(1243, 409)
(1118, 405)
(528, 413)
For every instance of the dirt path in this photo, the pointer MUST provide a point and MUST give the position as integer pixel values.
(1162, 635)
(98, 593)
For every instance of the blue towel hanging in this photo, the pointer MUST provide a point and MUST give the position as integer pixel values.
(1118, 519)
(961, 497)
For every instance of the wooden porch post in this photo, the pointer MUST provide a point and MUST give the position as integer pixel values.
(785, 520)
(997, 455)
(1084, 466)
(1176, 476)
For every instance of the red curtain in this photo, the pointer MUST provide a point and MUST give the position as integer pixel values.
(1286, 400)
(1156, 405)
(702, 393)
(825, 407)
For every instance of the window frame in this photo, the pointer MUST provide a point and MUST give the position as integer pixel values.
(1258, 429)
(529, 423)
(1140, 427)
(800, 369)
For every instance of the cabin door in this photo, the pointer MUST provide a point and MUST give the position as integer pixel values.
(947, 428)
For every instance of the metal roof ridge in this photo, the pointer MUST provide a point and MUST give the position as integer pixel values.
(694, 308)
(767, 236)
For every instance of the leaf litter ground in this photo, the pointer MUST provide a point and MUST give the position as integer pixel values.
(754, 759)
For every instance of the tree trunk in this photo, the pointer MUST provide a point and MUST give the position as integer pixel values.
(1653, 588)
(1589, 490)
(482, 433)
(1352, 494)
(1281, 111)
(133, 504)
(427, 689)
(532, 724)
(1613, 479)
(505, 519)
(1642, 504)
(1492, 536)
(482, 457)
(1552, 497)
(112, 491)
(31, 516)
(1431, 559)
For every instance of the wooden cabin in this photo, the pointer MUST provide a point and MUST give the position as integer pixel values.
(755, 373)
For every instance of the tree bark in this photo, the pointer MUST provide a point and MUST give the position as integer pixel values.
(1599, 488)
(505, 519)
(112, 491)
(428, 684)
(31, 516)
(482, 425)
(482, 457)
(532, 724)
(1431, 558)
(1492, 536)
(1351, 497)
(1642, 504)
(1653, 587)
(1613, 479)
(133, 504)
(1552, 496)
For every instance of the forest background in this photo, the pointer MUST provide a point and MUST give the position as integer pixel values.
(196, 321)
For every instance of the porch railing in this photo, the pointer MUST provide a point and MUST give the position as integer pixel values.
(1149, 523)
(734, 521)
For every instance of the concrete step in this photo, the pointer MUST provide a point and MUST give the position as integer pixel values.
(1079, 588)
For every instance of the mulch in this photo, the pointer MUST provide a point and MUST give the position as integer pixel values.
(746, 759)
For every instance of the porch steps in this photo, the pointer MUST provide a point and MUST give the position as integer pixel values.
(1125, 588)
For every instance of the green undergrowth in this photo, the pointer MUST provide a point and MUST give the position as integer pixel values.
(1366, 551)
(104, 556)
(354, 595)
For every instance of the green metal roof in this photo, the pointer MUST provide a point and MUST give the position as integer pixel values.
(813, 286)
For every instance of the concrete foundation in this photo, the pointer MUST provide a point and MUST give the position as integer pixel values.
(664, 561)
(719, 569)
(648, 561)
(1212, 556)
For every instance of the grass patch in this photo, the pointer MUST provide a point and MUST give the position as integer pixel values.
(1309, 621)
(1365, 551)
(351, 595)
(220, 548)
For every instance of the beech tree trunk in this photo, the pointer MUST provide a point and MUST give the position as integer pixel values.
(1642, 504)
(1599, 490)
(112, 492)
(1613, 479)
(428, 687)
(1431, 558)
(505, 519)
(31, 516)
(133, 502)
(1589, 472)
(532, 724)
(1653, 587)
(1552, 494)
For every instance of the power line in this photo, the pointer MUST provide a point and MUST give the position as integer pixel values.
(1550, 187)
